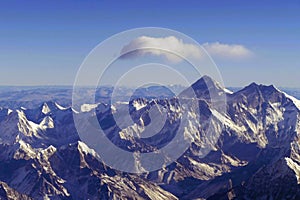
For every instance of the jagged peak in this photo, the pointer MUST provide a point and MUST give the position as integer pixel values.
(251, 86)
(47, 123)
(204, 88)
(11, 193)
(266, 90)
(21, 114)
(82, 147)
(50, 106)
(258, 88)
(26, 148)
(206, 82)
(45, 109)
(138, 103)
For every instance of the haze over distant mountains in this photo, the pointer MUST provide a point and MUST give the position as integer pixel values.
(257, 155)
(33, 96)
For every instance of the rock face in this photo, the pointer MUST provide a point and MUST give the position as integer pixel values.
(10, 194)
(255, 155)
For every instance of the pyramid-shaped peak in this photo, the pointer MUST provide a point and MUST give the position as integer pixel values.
(206, 82)
(205, 88)
(253, 84)
(47, 122)
(46, 109)
(205, 78)
(50, 106)
(250, 88)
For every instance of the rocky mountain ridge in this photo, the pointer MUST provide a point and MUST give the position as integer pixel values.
(255, 156)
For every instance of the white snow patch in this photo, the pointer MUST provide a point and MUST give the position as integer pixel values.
(9, 111)
(122, 135)
(138, 105)
(122, 102)
(277, 116)
(228, 91)
(226, 121)
(203, 166)
(60, 107)
(75, 111)
(84, 148)
(174, 108)
(113, 108)
(88, 107)
(27, 148)
(233, 161)
(45, 109)
(294, 166)
(46, 123)
(35, 127)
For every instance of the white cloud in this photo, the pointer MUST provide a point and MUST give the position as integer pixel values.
(232, 51)
(164, 47)
(145, 45)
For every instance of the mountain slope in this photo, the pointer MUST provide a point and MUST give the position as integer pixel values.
(254, 152)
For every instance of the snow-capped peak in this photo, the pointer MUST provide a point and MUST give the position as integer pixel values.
(84, 148)
(204, 88)
(51, 106)
(9, 111)
(46, 109)
(46, 123)
(205, 82)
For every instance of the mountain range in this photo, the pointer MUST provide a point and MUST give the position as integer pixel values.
(256, 154)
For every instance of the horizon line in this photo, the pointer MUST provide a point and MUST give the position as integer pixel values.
(125, 86)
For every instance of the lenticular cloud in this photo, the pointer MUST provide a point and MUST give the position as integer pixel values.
(175, 50)
(171, 48)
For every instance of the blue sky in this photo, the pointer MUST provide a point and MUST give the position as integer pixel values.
(44, 43)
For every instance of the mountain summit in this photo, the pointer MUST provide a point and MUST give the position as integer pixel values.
(256, 155)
